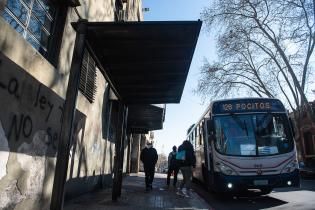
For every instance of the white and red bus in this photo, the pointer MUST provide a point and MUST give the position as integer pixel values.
(243, 144)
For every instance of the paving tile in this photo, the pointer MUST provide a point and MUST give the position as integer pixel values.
(135, 197)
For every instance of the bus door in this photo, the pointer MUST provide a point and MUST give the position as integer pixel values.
(199, 151)
(207, 126)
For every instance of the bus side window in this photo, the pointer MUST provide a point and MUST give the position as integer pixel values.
(193, 139)
(201, 135)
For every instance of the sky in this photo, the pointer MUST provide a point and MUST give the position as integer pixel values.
(180, 116)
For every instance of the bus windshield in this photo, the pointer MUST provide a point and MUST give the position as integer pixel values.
(253, 134)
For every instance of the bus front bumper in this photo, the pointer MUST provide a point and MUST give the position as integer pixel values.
(225, 183)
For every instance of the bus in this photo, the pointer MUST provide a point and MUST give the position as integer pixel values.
(243, 144)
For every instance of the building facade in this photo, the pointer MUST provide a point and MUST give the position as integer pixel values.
(80, 83)
(36, 45)
(305, 136)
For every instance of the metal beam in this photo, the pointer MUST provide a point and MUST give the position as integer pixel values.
(122, 150)
(120, 127)
(68, 118)
(129, 142)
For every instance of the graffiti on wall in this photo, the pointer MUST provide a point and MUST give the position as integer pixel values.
(30, 124)
(21, 124)
(28, 106)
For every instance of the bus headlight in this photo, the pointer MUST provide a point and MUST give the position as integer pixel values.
(290, 167)
(225, 169)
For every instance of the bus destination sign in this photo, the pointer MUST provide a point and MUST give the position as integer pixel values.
(247, 105)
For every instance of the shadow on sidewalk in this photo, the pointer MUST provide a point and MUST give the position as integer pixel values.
(134, 196)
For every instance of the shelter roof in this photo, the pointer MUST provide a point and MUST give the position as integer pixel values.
(144, 118)
(145, 62)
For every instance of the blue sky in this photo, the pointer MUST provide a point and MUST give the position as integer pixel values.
(180, 116)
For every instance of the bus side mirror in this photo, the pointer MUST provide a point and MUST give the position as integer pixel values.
(210, 126)
(210, 129)
(211, 137)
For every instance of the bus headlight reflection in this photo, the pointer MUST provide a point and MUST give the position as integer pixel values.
(225, 169)
(289, 167)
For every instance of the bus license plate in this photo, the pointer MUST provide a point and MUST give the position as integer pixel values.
(260, 182)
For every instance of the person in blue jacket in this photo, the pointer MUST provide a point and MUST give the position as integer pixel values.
(187, 161)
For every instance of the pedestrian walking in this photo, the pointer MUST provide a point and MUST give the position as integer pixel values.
(172, 167)
(149, 158)
(187, 161)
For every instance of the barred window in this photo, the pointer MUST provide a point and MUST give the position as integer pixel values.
(88, 77)
(32, 19)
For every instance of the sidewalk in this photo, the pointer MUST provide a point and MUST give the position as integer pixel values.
(135, 197)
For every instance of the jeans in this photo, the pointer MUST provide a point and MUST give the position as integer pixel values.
(187, 175)
(171, 169)
(149, 176)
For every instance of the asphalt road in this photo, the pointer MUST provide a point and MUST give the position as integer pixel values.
(281, 198)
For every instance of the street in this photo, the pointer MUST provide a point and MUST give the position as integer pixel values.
(280, 198)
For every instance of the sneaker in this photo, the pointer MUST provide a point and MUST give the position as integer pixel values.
(180, 193)
(186, 195)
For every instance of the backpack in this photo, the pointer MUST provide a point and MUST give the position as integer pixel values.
(181, 155)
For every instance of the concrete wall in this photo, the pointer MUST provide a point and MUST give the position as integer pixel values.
(30, 119)
(134, 10)
(32, 93)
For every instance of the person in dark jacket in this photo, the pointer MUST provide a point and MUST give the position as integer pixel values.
(172, 167)
(149, 158)
(186, 164)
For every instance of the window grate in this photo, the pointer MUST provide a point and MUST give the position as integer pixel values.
(88, 77)
(33, 19)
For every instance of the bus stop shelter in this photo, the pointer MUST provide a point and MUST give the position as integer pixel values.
(145, 63)
(143, 118)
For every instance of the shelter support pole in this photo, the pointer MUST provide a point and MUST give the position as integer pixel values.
(129, 140)
(122, 150)
(68, 118)
(135, 153)
(119, 150)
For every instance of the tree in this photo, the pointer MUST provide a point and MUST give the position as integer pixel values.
(264, 48)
